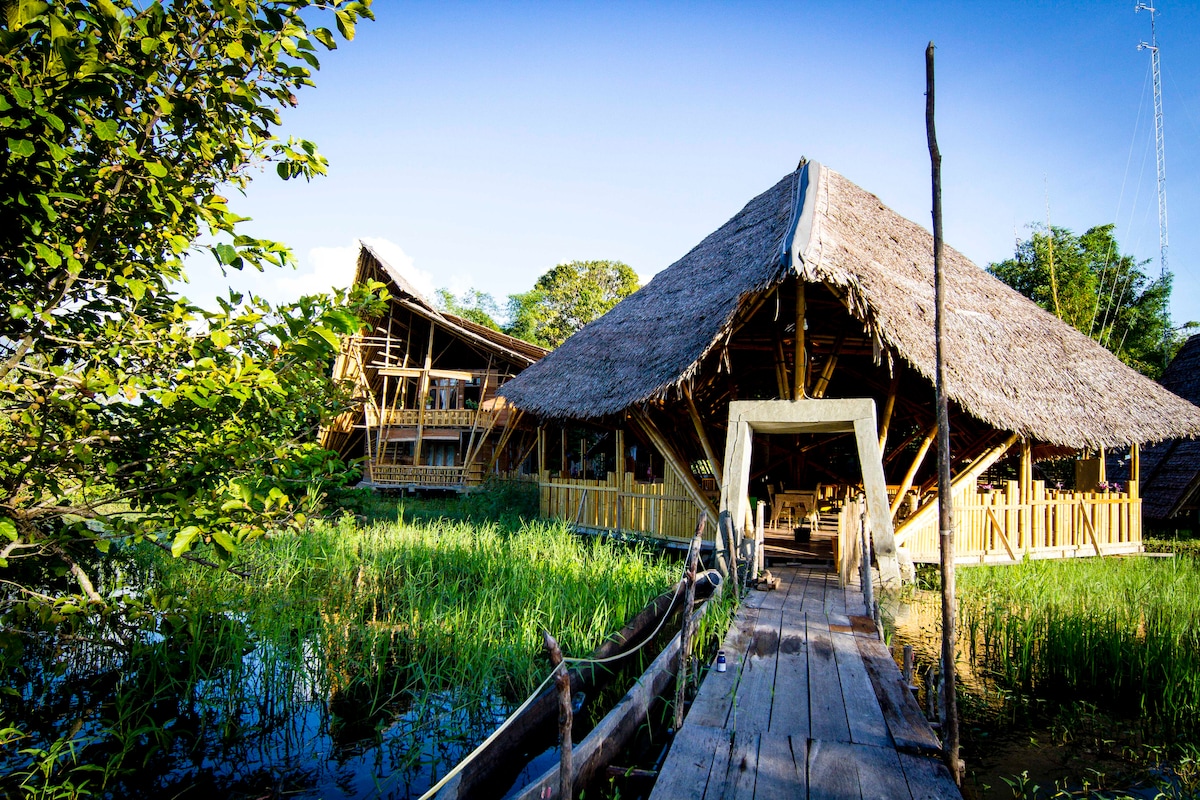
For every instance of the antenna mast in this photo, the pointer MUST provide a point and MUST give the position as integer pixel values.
(1159, 150)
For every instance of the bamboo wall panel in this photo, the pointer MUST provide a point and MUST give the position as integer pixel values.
(996, 525)
(659, 510)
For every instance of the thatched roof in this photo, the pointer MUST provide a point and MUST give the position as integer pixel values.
(403, 292)
(1171, 470)
(1009, 363)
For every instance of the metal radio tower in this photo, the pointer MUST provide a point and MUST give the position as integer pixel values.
(1159, 151)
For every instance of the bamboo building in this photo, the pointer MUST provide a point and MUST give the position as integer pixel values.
(430, 417)
(817, 290)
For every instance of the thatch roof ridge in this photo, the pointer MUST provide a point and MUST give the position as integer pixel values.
(523, 351)
(1010, 363)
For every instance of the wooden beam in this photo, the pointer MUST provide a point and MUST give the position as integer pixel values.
(918, 459)
(888, 408)
(801, 367)
(705, 443)
(677, 462)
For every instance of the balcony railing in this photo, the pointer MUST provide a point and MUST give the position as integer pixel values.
(433, 418)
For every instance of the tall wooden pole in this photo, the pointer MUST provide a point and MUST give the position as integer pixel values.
(945, 502)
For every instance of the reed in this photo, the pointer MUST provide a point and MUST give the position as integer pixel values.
(1124, 633)
(395, 647)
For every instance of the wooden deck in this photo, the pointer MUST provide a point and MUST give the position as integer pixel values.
(811, 706)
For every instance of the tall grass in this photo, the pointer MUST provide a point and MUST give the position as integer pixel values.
(1122, 632)
(462, 604)
(382, 652)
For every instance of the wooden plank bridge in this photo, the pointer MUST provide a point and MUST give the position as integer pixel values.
(811, 706)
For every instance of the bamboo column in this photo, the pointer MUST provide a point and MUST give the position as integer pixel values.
(888, 407)
(799, 391)
(422, 391)
(705, 442)
(917, 461)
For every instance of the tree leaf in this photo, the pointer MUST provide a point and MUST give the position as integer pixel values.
(156, 169)
(20, 148)
(106, 130)
(184, 539)
(325, 37)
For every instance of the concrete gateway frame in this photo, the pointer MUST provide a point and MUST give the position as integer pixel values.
(747, 417)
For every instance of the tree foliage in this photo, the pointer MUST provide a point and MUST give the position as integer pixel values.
(124, 410)
(568, 297)
(1088, 283)
(479, 307)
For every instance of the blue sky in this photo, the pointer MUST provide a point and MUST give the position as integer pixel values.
(480, 144)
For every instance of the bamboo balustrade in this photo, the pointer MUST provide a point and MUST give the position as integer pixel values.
(659, 510)
(433, 418)
(996, 526)
(383, 474)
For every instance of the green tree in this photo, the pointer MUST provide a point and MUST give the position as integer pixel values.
(568, 297)
(479, 307)
(124, 410)
(1088, 283)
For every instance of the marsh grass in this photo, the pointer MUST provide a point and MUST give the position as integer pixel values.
(1123, 633)
(356, 660)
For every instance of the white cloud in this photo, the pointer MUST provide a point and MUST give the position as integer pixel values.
(333, 267)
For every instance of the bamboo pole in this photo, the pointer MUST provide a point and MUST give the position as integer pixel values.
(673, 459)
(917, 461)
(1026, 493)
(705, 442)
(888, 408)
(422, 391)
(945, 499)
(799, 391)
(829, 366)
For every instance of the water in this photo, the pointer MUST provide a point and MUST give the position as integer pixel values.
(1013, 741)
(201, 708)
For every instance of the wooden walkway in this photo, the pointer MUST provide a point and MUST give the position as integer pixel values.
(811, 706)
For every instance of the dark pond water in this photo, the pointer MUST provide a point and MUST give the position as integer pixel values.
(200, 708)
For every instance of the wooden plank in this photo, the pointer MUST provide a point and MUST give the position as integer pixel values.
(880, 776)
(906, 723)
(928, 778)
(685, 773)
(782, 763)
(826, 707)
(717, 692)
(789, 705)
(752, 709)
(831, 771)
(743, 768)
(863, 713)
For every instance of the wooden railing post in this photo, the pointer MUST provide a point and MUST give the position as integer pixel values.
(685, 634)
(562, 680)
